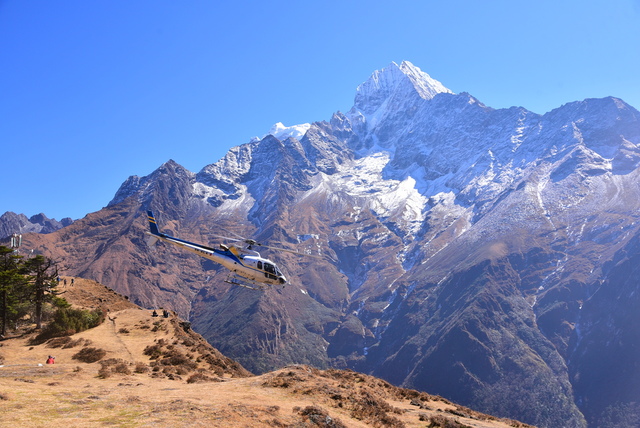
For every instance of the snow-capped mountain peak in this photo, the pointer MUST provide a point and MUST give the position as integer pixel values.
(395, 79)
(426, 86)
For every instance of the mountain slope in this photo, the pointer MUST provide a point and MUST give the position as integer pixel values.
(460, 244)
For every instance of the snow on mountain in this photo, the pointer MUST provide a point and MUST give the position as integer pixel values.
(398, 81)
(391, 89)
(424, 84)
(362, 181)
(282, 132)
(441, 216)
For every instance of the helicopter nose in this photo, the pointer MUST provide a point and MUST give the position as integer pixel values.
(282, 280)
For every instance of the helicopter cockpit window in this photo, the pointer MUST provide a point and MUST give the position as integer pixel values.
(260, 265)
(269, 268)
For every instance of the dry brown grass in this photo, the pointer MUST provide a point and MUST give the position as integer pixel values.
(112, 393)
(156, 372)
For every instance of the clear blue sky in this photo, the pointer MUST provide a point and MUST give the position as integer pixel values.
(92, 92)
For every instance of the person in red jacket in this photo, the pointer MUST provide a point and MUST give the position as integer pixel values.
(51, 360)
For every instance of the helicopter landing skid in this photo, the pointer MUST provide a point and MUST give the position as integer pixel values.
(243, 282)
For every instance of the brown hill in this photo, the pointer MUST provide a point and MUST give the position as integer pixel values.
(157, 371)
(89, 294)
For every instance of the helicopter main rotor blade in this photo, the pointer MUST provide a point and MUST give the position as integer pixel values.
(237, 236)
(291, 251)
(248, 241)
(227, 238)
(251, 242)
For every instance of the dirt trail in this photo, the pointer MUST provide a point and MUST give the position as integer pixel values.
(117, 340)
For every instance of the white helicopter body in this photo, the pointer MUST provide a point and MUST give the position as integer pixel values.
(244, 264)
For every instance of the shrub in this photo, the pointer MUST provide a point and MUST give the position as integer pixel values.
(153, 351)
(113, 365)
(58, 342)
(104, 372)
(177, 358)
(77, 342)
(318, 416)
(65, 342)
(60, 303)
(89, 355)
(158, 326)
(122, 368)
(201, 378)
(68, 321)
(439, 421)
(141, 368)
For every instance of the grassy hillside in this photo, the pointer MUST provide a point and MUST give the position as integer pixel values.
(139, 370)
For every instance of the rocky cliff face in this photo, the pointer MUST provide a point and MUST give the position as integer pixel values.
(474, 253)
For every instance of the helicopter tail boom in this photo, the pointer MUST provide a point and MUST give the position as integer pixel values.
(154, 233)
(153, 226)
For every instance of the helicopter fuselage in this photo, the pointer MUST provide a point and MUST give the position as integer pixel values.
(247, 264)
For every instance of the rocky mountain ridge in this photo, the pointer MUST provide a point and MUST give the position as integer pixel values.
(463, 246)
(11, 223)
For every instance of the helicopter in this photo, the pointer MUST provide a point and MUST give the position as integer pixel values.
(246, 267)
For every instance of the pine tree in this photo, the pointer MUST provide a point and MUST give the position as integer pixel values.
(43, 274)
(12, 286)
